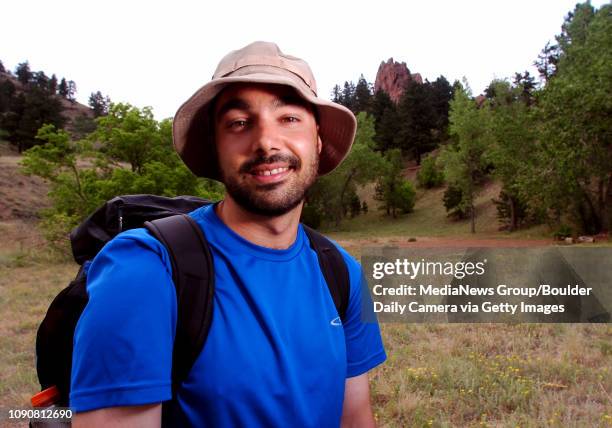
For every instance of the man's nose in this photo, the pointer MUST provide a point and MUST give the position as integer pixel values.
(265, 137)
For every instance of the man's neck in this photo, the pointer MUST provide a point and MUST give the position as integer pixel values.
(272, 232)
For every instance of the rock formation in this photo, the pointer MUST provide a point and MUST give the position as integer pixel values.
(394, 77)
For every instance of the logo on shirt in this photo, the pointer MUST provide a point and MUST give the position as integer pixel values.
(336, 322)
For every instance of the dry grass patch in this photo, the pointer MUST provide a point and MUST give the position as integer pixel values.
(495, 375)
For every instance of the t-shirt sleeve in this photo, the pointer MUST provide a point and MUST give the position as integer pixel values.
(364, 346)
(123, 340)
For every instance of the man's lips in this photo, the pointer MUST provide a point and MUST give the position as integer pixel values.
(270, 173)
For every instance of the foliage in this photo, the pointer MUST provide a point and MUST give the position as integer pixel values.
(430, 175)
(332, 194)
(83, 178)
(511, 212)
(465, 160)
(26, 107)
(572, 160)
(512, 132)
(99, 104)
(417, 121)
(395, 192)
(82, 125)
(132, 135)
(453, 202)
(386, 120)
(404, 197)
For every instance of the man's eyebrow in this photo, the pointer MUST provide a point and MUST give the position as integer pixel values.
(233, 103)
(291, 100)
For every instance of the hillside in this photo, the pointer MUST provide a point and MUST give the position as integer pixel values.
(21, 197)
(72, 110)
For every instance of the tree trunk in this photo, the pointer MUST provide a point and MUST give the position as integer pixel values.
(595, 220)
(605, 200)
(513, 225)
(472, 216)
(344, 187)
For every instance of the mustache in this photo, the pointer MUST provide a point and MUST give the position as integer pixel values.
(292, 161)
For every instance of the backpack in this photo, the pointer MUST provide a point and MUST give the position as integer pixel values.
(193, 277)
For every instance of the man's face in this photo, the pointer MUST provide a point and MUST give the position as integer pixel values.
(267, 146)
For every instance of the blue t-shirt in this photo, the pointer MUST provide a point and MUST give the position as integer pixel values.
(276, 353)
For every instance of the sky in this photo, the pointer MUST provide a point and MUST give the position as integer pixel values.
(158, 53)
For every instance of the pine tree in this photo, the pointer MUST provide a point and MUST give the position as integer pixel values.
(24, 75)
(63, 88)
(417, 121)
(363, 96)
(337, 94)
(99, 104)
(53, 84)
(72, 89)
(348, 96)
(385, 120)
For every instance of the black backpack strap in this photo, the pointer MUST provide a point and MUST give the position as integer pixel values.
(333, 267)
(193, 275)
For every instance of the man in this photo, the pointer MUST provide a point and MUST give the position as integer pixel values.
(276, 353)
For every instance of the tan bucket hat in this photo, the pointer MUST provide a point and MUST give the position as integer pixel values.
(259, 62)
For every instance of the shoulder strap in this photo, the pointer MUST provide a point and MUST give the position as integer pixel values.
(333, 267)
(193, 276)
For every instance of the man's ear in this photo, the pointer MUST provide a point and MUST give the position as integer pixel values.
(319, 142)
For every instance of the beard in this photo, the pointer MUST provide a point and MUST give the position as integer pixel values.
(274, 199)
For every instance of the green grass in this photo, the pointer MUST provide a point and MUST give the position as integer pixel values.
(430, 219)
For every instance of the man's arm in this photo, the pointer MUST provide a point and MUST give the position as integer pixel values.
(357, 411)
(148, 416)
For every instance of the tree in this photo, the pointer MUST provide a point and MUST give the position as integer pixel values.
(394, 191)
(430, 174)
(386, 121)
(332, 194)
(348, 96)
(512, 141)
(464, 161)
(99, 104)
(337, 94)
(574, 111)
(71, 91)
(53, 84)
(7, 92)
(41, 80)
(30, 110)
(63, 88)
(362, 96)
(417, 120)
(527, 87)
(77, 190)
(131, 135)
(441, 94)
(547, 61)
(23, 73)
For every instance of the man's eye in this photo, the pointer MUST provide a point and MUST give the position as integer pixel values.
(239, 123)
(291, 119)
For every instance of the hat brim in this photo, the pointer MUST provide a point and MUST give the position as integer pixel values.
(192, 135)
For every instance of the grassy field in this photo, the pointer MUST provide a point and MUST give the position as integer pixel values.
(429, 219)
(437, 375)
(461, 375)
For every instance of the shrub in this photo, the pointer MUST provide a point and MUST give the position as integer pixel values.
(430, 175)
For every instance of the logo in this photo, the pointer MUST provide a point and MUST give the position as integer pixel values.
(336, 322)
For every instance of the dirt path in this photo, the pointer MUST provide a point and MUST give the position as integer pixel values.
(426, 242)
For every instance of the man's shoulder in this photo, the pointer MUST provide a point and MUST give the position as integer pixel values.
(354, 267)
